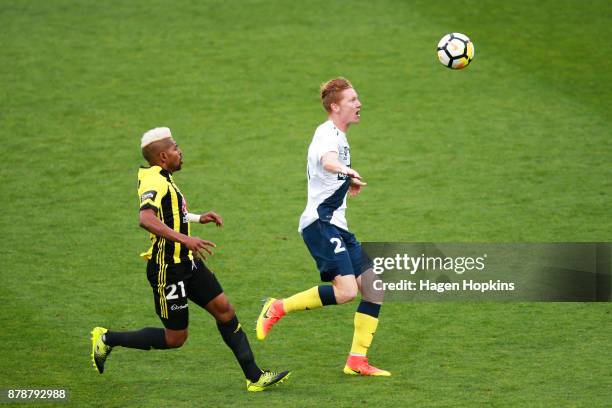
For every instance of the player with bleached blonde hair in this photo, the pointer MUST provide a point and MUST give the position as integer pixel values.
(176, 270)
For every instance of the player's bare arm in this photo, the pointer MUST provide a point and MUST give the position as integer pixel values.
(211, 216)
(332, 164)
(150, 222)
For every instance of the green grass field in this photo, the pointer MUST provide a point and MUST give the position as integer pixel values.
(516, 148)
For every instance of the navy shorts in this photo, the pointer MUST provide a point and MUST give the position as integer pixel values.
(336, 251)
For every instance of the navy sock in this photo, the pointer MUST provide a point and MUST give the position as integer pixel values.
(369, 308)
(326, 293)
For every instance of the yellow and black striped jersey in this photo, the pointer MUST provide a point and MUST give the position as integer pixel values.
(157, 191)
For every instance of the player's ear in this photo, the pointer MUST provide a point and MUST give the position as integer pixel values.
(334, 107)
(163, 156)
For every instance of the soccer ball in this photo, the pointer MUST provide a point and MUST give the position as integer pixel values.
(455, 51)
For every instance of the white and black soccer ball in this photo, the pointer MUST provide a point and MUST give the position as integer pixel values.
(455, 51)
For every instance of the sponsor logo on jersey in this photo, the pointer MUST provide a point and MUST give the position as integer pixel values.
(344, 154)
(148, 195)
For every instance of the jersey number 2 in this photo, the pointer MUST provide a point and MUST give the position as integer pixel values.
(338, 243)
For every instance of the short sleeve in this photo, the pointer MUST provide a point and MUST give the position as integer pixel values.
(151, 190)
(326, 142)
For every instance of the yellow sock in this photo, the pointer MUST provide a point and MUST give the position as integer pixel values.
(365, 327)
(308, 299)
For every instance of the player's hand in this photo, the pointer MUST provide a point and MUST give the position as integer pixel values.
(355, 186)
(199, 246)
(352, 173)
(211, 216)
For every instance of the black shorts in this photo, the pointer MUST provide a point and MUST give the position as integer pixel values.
(173, 284)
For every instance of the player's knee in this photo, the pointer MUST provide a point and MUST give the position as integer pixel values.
(221, 309)
(345, 289)
(176, 342)
(345, 295)
(175, 339)
(370, 291)
(226, 313)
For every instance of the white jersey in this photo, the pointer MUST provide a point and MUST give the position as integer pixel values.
(326, 191)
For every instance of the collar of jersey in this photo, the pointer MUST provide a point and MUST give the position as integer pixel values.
(163, 172)
(336, 127)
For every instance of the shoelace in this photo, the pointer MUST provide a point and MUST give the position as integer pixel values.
(269, 375)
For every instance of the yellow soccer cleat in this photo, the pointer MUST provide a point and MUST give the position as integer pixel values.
(358, 365)
(271, 312)
(99, 350)
(267, 379)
